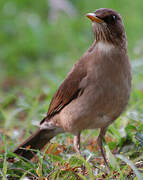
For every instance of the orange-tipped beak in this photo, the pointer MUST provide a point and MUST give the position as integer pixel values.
(94, 18)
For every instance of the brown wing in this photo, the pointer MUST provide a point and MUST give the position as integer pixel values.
(68, 90)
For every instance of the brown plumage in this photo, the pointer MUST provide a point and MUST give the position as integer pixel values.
(95, 92)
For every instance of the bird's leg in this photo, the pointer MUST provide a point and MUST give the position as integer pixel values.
(77, 143)
(100, 143)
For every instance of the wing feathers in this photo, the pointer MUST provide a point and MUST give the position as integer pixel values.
(68, 90)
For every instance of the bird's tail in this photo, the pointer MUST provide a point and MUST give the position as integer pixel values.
(36, 142)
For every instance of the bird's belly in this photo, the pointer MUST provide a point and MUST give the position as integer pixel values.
(90, 113)
(99, 122)
(77, 117)
(75, 124)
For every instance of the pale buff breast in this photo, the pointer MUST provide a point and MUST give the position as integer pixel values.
(108, 96)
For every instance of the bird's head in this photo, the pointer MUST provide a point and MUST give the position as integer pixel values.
(108, 26)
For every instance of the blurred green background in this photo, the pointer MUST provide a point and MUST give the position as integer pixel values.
(32, 45)
(40, 42)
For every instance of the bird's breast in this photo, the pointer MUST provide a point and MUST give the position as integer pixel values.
(106, 91)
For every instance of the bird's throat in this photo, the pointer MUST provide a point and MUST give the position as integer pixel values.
(101, 46)
(104, 46)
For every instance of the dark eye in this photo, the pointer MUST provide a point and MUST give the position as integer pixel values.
(110, 19)
(114, 17)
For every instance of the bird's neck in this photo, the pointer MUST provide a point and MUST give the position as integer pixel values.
(106, 46)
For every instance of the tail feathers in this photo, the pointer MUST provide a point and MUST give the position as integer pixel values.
(37, 141)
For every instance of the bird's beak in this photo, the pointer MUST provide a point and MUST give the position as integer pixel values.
(94, 18)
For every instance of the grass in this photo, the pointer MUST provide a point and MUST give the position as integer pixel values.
(35, 56)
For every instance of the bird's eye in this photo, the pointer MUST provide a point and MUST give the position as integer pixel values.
(110, 19)
(114, 17)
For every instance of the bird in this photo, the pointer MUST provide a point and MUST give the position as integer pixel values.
(95, 92)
